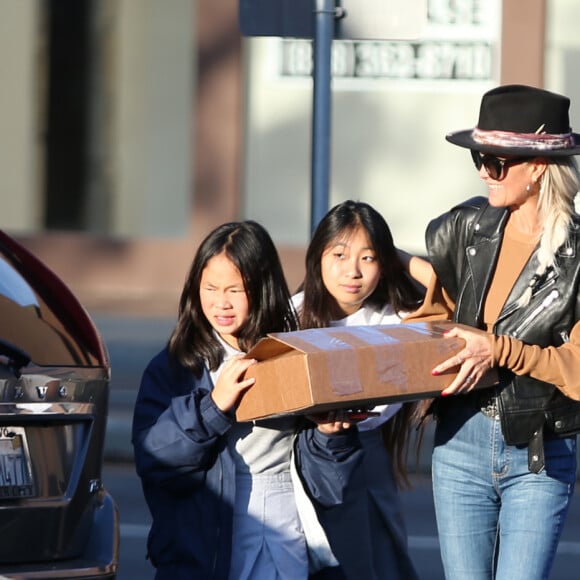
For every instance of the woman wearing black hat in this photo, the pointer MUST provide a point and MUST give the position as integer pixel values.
(504, 461)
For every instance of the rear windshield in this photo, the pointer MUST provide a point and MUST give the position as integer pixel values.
(29, 324)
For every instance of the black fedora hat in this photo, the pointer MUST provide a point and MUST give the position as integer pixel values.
(523, 121)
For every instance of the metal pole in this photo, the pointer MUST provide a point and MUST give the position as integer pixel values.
(324, 14)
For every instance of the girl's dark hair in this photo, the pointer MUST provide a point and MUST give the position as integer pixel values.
(395, 287)
(249, 246)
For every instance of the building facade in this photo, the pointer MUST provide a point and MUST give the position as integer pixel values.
(133, 127)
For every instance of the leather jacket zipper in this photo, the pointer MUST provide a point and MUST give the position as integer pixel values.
(546, 302)
(509, 311)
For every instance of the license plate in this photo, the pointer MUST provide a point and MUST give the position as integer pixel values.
(15, 469)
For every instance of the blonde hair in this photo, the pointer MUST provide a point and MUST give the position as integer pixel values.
(559, 185)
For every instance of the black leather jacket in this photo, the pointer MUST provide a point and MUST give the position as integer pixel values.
(463, 246)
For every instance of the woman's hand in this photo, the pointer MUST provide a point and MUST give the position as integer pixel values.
(229, 386)
(332, 422)
(474, 361)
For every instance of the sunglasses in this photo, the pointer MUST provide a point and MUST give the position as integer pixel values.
(496, 168)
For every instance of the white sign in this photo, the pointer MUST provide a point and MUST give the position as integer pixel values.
(382, 19)
(459, 43)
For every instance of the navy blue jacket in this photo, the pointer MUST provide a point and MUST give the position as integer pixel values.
(188, 475)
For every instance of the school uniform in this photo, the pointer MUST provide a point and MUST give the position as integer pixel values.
(219, 492)
(367, 531)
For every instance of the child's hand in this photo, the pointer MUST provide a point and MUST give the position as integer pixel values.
(332, 422)
(229, 387)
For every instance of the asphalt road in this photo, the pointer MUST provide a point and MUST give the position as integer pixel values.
(120, 479)
(131, 343)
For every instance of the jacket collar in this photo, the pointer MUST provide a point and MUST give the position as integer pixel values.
(487, 226)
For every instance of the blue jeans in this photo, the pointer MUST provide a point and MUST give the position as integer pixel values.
(495, 518)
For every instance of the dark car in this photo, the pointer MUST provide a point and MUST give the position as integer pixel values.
(56, 518)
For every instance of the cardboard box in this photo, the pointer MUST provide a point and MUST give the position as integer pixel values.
(346, 367)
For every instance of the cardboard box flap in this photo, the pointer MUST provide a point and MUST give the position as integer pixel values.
(305, 341)
(267, 348)
(343, 338)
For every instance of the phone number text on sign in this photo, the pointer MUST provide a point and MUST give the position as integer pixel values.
(394, 60)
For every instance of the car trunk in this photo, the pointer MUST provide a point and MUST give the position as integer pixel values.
(54, 381)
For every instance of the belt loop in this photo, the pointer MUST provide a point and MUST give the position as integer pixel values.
(536, 460)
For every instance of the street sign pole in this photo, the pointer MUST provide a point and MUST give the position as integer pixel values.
(319, 20)
(324, 15)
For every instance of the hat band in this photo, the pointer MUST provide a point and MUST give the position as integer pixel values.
(539, 141)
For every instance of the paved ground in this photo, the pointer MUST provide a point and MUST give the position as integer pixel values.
(132, 341)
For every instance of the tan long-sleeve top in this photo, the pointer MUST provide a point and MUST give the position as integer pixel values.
(557, 365)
